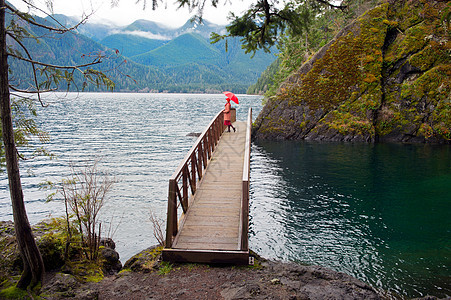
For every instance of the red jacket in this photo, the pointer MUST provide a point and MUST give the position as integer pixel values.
(227, 114)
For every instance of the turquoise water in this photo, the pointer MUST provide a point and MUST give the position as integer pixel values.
(378, 212)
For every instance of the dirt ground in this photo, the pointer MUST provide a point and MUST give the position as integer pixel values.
(266, 280)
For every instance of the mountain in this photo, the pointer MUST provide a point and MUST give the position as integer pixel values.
(146, 56)
(204, 29)
(149, 26)
(385, 77)
(182, 50)
(94, 31)
(131, 45)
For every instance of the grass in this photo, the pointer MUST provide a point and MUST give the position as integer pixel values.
(165, 268)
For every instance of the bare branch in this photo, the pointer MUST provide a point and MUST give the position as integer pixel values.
(97, 61)
(35, 78)
(63, 29)
(158, 231)
(31, 92)
(20, 155)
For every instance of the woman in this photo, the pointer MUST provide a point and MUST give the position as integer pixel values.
(228, 115)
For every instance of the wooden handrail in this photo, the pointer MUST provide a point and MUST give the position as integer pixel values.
(244, 214)
(190, 172)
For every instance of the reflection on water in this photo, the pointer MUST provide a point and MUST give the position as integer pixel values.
(378, 212)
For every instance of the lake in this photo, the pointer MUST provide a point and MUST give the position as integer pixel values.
(378, 212)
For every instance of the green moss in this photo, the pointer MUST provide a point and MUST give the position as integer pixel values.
(406, 13)
(354, 60)
(145, 261)
(346, 123)
(153, 253)
(13, 293)
(273, 126)
(425, 131)
(390, 23)
(359, 77)
(413, 40)
(424, 59)
(433, 83)
(95, 277)
(303, 124)
(423, 102)
(125, 271)
(86, 271)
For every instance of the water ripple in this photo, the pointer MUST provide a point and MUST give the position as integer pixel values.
(141, 139)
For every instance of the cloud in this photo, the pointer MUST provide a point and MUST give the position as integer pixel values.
(144, 34)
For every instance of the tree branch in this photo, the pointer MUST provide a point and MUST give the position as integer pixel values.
(340, 7)
(33, 22)
(35, 78)
(31, 92)
(97, 61)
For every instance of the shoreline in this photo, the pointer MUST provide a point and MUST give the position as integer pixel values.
(146, 276)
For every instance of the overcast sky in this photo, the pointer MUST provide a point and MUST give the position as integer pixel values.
(128, 11)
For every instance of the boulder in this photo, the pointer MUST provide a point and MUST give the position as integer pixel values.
(111, 263)
(194, 134)
(145, 261)
(384, 77)
(108, 243)
(62, 285)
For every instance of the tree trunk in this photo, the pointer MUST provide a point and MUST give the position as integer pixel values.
(33, 265)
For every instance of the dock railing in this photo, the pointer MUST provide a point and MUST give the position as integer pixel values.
(244, 213)
(183, 182)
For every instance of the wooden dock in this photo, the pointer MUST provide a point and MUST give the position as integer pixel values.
(208, 201)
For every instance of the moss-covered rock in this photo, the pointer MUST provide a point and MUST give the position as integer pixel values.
(51, 237)
(385, 77)
(145, 261)
(10, 261)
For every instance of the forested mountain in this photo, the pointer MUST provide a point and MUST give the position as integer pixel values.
(146, 56)
(182, 50)
(131, 45)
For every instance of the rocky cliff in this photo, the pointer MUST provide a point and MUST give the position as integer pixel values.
(385, 77)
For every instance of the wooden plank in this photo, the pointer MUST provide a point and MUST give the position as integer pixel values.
(219, 229)
(207, 240)
(209, 221)
(206, 256)
(171, 224)
(224, 225)
(210, 187)
(214, 218)
(207, 246)
(205, 213)
(208, 231)
(185, 188)
(193, 181)
(244, 214)
(216, 206)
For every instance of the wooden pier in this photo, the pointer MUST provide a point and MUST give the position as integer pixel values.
(208, 201)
